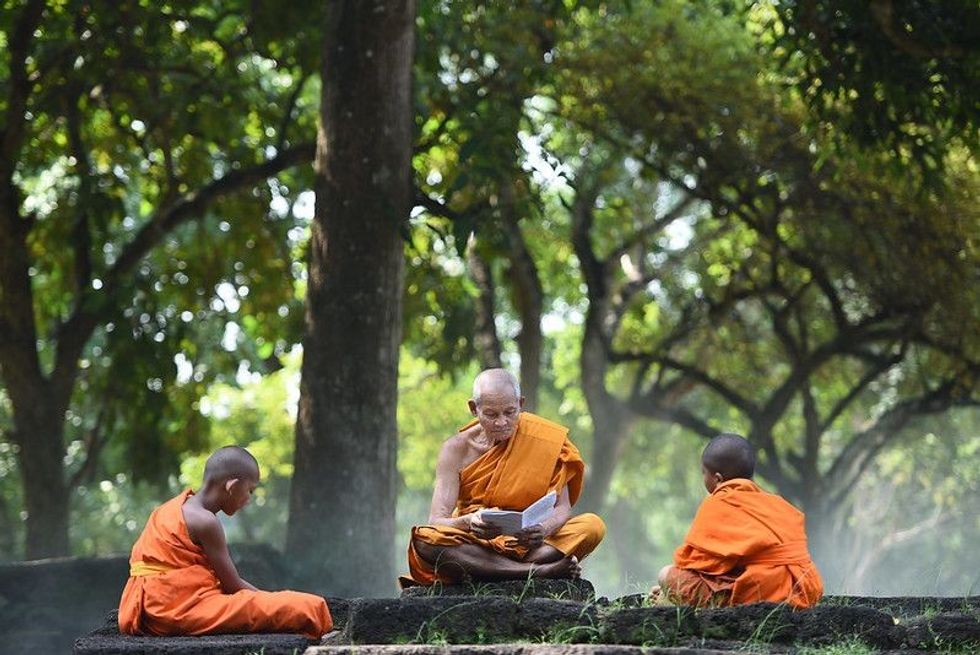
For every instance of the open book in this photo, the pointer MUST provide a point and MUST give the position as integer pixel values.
(512, 522)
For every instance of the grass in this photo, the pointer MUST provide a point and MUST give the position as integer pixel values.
(853, 646)
(664, 638)
(571, 634)
(767, 630)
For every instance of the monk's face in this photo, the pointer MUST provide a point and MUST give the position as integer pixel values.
(239, 494)
(498, 412)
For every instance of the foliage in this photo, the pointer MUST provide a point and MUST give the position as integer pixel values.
(259, 415)
(772, 260)
(895, 73)
(917, 500)
(148, 225)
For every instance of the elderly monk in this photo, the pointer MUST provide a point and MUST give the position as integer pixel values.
(504, 459)
(182, 579)
(745, 545)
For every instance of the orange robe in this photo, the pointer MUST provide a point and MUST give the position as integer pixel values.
(745, 546)
(513, 474)
(173, 591)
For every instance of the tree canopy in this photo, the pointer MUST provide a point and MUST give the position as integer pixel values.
(670, 218)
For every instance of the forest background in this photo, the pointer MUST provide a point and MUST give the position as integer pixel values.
(669, 218)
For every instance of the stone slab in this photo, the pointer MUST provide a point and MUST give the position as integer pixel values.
(579, 590)
(513, 649)
(267, 644)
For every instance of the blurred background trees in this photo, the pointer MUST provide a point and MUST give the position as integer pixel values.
(670, 218)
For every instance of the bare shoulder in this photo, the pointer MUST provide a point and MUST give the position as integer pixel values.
(454, 450)
(200, 521)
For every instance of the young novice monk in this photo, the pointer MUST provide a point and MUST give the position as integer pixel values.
(745, 545)
(182, 580)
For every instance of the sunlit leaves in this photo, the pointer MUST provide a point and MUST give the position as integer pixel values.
(900, 74)
(134, 106)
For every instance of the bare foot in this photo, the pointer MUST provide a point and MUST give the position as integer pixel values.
(576, 569)
(566, 567)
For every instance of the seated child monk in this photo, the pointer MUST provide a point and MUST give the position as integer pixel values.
(745, 545)
(182, 579)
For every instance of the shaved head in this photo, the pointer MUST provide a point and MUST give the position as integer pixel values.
(730, 455)
(497, 382)
(231, 462)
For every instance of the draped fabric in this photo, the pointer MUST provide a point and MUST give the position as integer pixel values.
(511, 475)
(745, 546)
(172, 590)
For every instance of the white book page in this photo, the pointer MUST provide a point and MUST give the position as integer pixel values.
(509, 522)
(540, 510)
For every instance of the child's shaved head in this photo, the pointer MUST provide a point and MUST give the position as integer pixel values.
(231, 462)
(730, 455)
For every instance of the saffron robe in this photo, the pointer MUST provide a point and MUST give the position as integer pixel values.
(745, 546)
(511, 475)
(172, 590)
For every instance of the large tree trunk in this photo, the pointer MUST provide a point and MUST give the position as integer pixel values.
(38, 414)
(38, 406)
(528, 296)
(40, 456)
(485, 340)
(342, 503)
(38, 410)
(611, 418)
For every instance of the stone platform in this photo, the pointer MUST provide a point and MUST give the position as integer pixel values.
(521, 619)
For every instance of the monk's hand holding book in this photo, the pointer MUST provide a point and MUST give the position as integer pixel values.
(516, 523)
(532, 536)
(482, 529)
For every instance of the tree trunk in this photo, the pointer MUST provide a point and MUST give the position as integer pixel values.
(41, 456)
(485, 340)
(342, 501)
(611, 422)
(38, 413)
(611, 418)
(831, 547)
(528, 299)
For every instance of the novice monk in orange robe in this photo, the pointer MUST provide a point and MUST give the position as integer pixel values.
(505, 459)
(182, 580)
(745, 545)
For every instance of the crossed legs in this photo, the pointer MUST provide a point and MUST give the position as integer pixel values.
(474, 562)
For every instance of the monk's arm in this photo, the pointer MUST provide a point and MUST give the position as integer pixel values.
(563, 512)
(208, 533)
(446, 491)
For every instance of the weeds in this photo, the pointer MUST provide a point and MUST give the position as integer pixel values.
(766, 632)
(570, 634)
(852, 646)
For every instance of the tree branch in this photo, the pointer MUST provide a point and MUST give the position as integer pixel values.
(651, 228)
(19, 87)
(735, 399)
(81, 236)
(94, 441)
(679, 415)
(849, 465)
(883, 12)
(287, 116)
(485, 337)
(75, 332)
(434, 206)
(869, 376)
